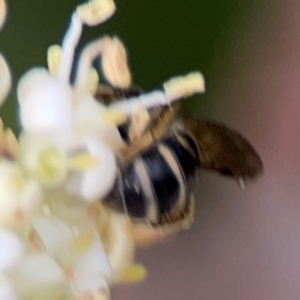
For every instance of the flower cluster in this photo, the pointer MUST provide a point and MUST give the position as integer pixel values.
(57, 241)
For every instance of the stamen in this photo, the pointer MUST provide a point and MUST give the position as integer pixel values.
(133, 273)
(3, 12)
(68, 47)
(5, 79)
(115, 66)
(50, 168)
(90, 52)
(175, 89)
(96, 11)
(93, 82)
(91, 13)
(184, 86)
(54, 59)
(146, 101)
(82, 242)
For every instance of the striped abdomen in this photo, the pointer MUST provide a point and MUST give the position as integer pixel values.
(154, 187)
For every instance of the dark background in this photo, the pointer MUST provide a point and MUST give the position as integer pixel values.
(245, 245)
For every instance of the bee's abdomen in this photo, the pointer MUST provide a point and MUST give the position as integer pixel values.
(154, 187)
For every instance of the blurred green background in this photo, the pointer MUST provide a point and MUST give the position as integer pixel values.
(163, 38)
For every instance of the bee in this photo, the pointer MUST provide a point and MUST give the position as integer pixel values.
(158, 166)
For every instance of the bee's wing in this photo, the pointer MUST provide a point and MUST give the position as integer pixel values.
(224, 150)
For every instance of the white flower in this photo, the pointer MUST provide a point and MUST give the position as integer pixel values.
(88, 116)
(85, 164)
(78, 251)
(19, 195)
(44, 157)
(94, 182)
(45, 102)
(94, 118)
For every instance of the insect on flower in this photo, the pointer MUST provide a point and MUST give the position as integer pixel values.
(97, 169)
(162, 152)
(159, 152)
(158, 165)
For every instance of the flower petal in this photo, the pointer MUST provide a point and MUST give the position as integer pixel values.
(92, 269)
(36, 271)
(11, 249)
(54, 234)
(94, 183)
(45, 102)
(6, 291)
